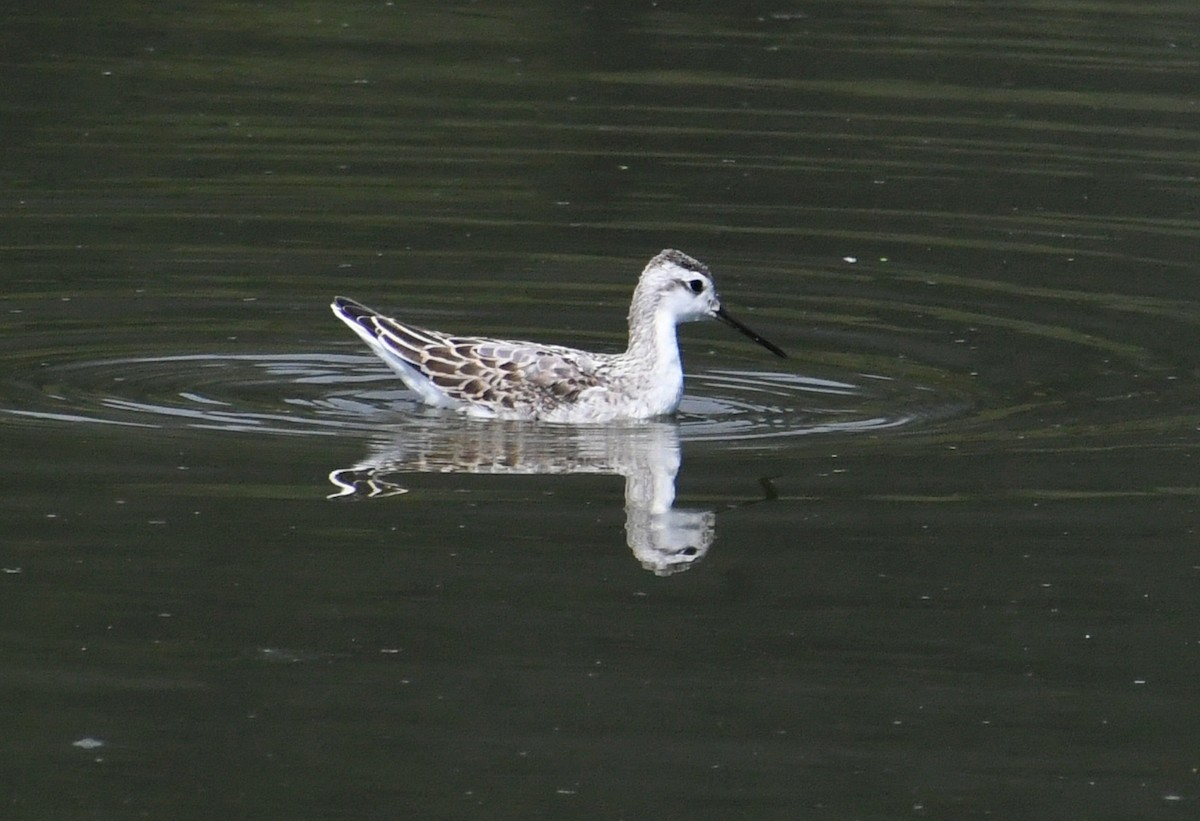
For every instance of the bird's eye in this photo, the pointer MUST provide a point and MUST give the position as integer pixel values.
(697, 285)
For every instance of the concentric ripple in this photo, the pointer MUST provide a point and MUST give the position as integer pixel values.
(326, 394)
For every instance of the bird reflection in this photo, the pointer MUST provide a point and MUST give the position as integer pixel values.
(663, 539)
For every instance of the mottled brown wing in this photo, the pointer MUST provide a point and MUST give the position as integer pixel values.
(507, 374)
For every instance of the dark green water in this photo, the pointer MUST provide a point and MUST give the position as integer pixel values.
(940, 563)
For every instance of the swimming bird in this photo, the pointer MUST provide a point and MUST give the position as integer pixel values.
(496, 378)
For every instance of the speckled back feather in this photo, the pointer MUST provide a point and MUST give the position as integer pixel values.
(510, 374)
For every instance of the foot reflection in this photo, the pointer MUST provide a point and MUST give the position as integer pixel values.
(664, 540)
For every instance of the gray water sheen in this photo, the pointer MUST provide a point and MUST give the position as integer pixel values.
(942, 562)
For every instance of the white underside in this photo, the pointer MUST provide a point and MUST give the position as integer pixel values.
(593, 407)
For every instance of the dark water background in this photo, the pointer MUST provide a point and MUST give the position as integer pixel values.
(955, 569)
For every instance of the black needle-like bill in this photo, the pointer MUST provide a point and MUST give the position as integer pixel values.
(724, 316)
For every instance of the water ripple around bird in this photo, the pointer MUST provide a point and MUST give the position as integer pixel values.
(327, 393)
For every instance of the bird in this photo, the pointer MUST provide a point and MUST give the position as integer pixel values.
(505, 379)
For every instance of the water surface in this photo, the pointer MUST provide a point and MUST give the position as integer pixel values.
(940, 563)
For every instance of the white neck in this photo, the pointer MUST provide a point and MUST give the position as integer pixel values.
(654, 345)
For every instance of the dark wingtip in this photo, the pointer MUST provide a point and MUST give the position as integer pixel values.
(345, 306)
